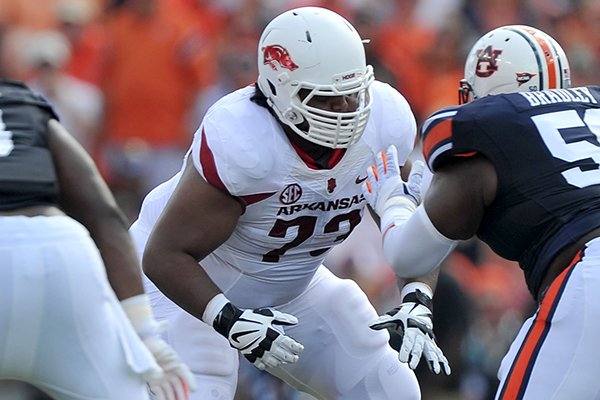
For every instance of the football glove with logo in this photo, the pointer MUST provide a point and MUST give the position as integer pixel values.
(413, 320)
(384, 186)
(256, 335)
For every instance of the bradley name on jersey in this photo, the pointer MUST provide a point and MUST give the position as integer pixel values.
(553, 96)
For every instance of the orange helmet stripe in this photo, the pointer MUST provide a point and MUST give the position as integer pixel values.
(548, 56)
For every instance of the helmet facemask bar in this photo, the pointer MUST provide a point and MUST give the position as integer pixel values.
(465, 92)
(331, 128)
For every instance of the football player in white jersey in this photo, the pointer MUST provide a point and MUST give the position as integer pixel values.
(233, 245)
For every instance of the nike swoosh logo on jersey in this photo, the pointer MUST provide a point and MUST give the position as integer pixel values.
(360, 180)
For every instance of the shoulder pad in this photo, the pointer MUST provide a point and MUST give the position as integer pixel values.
(16, 91)
(237, 155)
(391, 121)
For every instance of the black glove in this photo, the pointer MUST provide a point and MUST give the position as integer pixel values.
(413, 321)
(253, 333)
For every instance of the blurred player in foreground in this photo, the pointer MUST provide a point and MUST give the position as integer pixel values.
(64, 248)
(234, 243)
(519, 168)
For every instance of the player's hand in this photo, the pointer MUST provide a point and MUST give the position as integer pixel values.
(255, 335)
(384, 181)
(413, 321)
(176, 380)
(173, 380)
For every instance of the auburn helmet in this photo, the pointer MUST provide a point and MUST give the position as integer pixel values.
(514, 58)
(319, 52)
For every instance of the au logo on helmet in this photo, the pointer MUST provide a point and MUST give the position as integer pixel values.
(486, 62)
(276, 54)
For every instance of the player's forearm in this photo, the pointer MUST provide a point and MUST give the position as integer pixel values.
(414, 247)
(179, 276)
(120, 259)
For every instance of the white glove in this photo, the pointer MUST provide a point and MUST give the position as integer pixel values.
(175, 381)
(255, 335)
(384, 183)
(413, 321)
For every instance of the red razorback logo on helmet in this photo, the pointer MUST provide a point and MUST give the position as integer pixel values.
(277, 53)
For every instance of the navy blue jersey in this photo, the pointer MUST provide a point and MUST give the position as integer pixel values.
(27, 175)
(545, 147)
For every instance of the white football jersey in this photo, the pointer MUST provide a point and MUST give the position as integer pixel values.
(293, 214)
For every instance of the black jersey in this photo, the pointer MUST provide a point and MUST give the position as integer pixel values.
(545, 147)
(27, 175)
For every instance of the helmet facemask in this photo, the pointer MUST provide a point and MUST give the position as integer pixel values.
(335, 129)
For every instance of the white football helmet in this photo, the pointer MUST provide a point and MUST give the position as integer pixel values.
(514, 58)
(315, 49)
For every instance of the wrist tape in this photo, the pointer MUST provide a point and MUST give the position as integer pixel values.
(213, 308)
(413, 286)
(138, 310)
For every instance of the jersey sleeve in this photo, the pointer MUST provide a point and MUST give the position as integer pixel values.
(437, 139)
(203, 157)
(394, 120)
(464, 131)
(232, 155)
(12, 92)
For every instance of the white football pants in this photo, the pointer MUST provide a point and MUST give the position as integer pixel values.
(343, 359)
(556, 354)
(62, 328)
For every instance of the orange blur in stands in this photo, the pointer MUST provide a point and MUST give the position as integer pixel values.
(154, 68)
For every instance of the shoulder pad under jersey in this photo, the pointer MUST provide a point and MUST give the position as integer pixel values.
(12, 91)
(391, 121)
(436, 136)
(463, 130)
(237, 146)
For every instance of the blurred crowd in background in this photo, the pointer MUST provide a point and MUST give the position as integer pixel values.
(131, 79)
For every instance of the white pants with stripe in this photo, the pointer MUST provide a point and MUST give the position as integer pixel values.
(62, 328)
(556, 354)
